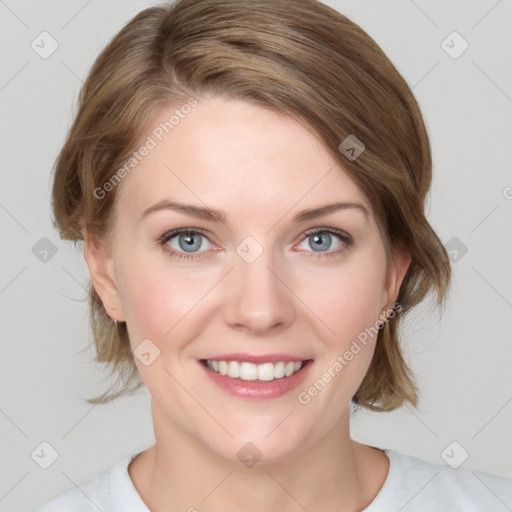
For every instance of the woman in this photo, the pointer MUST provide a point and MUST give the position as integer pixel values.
(248, 179)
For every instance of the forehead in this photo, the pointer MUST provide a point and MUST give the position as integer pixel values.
(232, 154)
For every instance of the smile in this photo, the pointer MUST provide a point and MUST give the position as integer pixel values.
(265, 372)
(256, 377)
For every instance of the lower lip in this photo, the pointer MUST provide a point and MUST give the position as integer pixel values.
(258, 390)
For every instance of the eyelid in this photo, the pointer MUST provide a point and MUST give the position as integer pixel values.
(339, 232)
(344, 238)
(179, 255)
(173, 232)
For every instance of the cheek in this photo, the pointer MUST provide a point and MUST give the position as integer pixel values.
(350, 301)
(156, 296)
(350, 306)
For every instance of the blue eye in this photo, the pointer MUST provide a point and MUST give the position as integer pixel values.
(326, 240)
(320, 241)
(185, 243)
(190, 242)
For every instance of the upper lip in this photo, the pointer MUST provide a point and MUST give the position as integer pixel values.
(256, 358)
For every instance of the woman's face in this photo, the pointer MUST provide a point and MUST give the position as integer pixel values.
(277, 281)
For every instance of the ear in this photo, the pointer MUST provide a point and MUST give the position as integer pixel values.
(101, 267)
(396, 271)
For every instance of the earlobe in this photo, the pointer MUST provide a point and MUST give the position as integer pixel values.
(101, 269)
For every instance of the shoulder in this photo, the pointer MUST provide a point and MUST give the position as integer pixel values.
(414, 484)
(90, 495)
(109, 491)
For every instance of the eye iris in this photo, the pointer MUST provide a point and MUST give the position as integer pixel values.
(321, 241)
(187, 242)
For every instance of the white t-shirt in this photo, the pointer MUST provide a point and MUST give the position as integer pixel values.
(411, 485)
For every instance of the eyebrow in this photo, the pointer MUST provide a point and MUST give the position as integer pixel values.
(313, 213)
(211, 214)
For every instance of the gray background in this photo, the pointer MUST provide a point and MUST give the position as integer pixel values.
(462, 360)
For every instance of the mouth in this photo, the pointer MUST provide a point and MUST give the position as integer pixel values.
(265, 372)
(256, 380)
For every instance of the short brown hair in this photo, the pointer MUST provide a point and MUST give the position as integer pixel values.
(301, 58)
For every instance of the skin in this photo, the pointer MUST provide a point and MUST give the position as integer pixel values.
(260, 168)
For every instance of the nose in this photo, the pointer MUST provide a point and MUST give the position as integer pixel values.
(259, 300)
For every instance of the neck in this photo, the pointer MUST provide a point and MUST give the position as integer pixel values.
(180, 473)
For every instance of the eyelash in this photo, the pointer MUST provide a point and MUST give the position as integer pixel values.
(344, 238)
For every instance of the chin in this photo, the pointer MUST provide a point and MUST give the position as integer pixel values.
(270, 441)
(258, 452)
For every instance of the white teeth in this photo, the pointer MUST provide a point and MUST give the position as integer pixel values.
(279, 370)
(248, 371)
(233, 369)
(223, 367)
(265, 371)
(251, 371)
